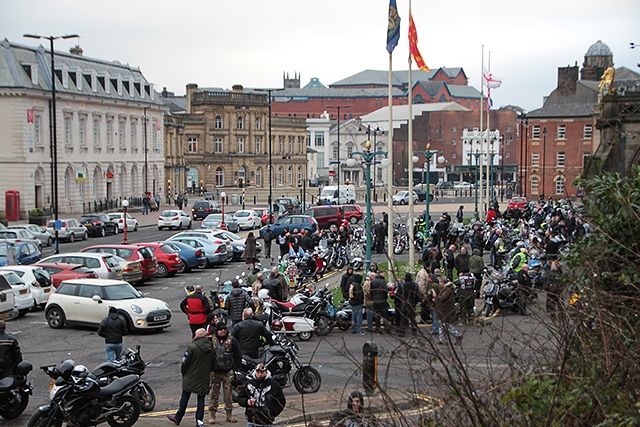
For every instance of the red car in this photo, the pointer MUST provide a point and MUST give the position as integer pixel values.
(169, 262)
(518, 203)
(148, 262)
(60, 271)
(351, 213)
(264, 213)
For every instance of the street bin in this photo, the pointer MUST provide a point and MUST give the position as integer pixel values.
(234, 199)
(369, 366)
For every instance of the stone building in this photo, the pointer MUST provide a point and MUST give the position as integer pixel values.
(108, 117)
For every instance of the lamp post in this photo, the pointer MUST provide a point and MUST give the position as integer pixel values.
(269, 91)
(477, 155)
(338, 107)
(53, 132)
(368, 157)
(376, 131)
(428, 156)
(544, 158)
(492, 193)
(222, 224)
(526, 156)
(125, 204)
(146, 164)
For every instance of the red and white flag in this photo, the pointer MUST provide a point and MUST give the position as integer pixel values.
(490, 80)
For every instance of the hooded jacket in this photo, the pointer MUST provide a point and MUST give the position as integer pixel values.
(197, 364)
(358, 293)
(236, 302)
(270, 399)
(476, 263)
(446, 304)
(112, 328)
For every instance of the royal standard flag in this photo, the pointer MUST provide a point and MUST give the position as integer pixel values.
(413, 45)
(393, 31)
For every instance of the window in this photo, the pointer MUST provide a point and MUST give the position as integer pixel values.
(299, 175)
(240, 145)
(453, 155)
(109, 133)
(291, 141)
(67, 130)
(453, 142)
(280, 175)
(281, 144)
(587, 132)
(258, 123)
(96, 132)
(349, 150)
(240, 122)
(562, 131)
(584, 158)
(335, 153)
(80, 189)
(560, 158)
(219, 145)
(300, 145)
(535, 132)
(454, 129)
(535, 159)
(37, 129)
(218, 123)
(121, 132)
(560, 186)
(219, 177)
(308, 139)
(507, 155)
(290, 176)
(258, 145)
(192, 145)
(259, 177)
(134, 133)
(82, 123)
(535, 185)
(319, 139)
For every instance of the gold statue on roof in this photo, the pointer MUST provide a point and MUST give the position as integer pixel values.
(606, 85)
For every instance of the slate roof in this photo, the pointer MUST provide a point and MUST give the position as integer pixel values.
(399, 78)
(304, 93)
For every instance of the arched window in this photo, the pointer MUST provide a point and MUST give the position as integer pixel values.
(219, 177)
(299, 175)
(280, 173)
(290, 176)
(240, 122)
(258, 123)
(259, 177)
(68, 181)
(218, 122)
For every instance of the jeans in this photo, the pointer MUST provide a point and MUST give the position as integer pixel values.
(435, 327)
(369, 310)
(184, 401)
(145, 209)
(113, 351)
(356, 318)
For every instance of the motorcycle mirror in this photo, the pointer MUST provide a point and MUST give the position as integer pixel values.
(237, 277)
(217, 279)
(243, 274)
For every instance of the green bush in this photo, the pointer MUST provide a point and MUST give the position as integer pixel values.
(37, 212)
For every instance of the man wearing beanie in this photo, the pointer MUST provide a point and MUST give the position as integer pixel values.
(407, 294)
(112, 328)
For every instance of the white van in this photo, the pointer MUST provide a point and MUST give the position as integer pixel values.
(329, 193)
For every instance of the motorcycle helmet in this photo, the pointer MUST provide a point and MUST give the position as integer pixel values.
(66, 368)
(24, 368)
(79, 374)
(276, 325)
(520, 244)
(263, 294)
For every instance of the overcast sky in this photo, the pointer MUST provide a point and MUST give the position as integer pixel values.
(252, 42)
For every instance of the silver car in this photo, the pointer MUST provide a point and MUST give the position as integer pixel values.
(215, 221)
(70, 230)
(39, 232)
(105, 265)
(21, 236)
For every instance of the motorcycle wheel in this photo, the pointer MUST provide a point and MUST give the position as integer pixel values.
(43, 418)
(344, 325)
(129, 413)
(305, 336)
(488, 309)
(14, 407)
(324, 325)
(145, 395)
(357, 265)
(340, 262)
(398, 249)
(307, 380)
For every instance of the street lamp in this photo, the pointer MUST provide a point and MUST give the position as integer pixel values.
(338, 107)
(492, 195)
(544, 157)
(429, 155)
(376, 131)
(368, 157)
(53, 132)
(125, 204)
(222, 224)
(146, 164)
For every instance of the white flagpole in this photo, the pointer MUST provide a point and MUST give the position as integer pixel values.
(390, 254)
(410, 162)
(481, 209)
(488, 194)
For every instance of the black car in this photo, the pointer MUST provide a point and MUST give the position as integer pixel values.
(202, 208)
(99, 224)
(422, 196)
(291, 204)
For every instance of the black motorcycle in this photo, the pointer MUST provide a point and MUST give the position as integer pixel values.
(78, 400)
(15, 392)
(131, 363)
(280, 359)
(500, 294)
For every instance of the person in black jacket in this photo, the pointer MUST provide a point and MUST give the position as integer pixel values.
(262, 397)
(268, 237)
(356, 300)
(407, 294)
(250, 334)
(112, 328)
(379, 295)
(272, 284)
(306, 242)
(354, 415)
(237, 300)
(10, 354)
(344, 282)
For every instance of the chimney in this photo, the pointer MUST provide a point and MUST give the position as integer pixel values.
(567, 80)
(191, 89)
(237, 88)
(76, 50)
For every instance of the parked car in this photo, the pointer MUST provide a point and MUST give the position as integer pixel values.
(118, 217)
(61, 271)
(202, 208)
(292, 222)
(352, 213)
(216, 252)
(422, 195)
(248, 219)
(291, 204)
(402, 198)
(103, 264)
(237, 243)
(39, 232)
(21, 291)
(99, 224)
(190, 257)
(8, 310)
(20, 236)
(444, 185)
(328, 217)
(140, 254)
(462, 185)
(264, 215)
(174, 218)
(215, 221)
(25, 253)
(70, 230)
(131, 270)
(38, 280)
(518, 203)
(168, 260)
(87, 302)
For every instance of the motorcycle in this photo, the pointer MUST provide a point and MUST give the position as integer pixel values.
(78, 400)
(317, 306)
(279, 359)
(399, 238)
(500, 293)
(276, 321)
(15, 392)
(132, 363)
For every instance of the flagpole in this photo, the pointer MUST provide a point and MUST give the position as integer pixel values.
(390, 254)
(479, 190)
(489, 158)
(410, 162)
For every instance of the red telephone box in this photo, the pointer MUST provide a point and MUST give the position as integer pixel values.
(12, 205)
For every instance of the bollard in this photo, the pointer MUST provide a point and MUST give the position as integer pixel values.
(369, 366)
(255, 200)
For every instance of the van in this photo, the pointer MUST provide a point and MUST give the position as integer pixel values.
(329, 193)
(326, 216)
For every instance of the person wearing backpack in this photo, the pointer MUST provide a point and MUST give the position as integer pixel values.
(228, 357)
(283, 242)
(407, 293)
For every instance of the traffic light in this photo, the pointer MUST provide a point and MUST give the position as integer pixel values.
(168, 186)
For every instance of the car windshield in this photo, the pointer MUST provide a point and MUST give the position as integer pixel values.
(13, 279)
(214, 217)
(242, 214)
(8, 234)
(231, 236)
(169, 213)
(112, 216)
(120, 292)
(89, 218)
(111, 262)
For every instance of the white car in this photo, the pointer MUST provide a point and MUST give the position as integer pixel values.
(248, 219)
(87, 302)
(8, 308)
(132, 223)
(174, 218)
(39, 232)
(38, 280)
(103, 264)
(402, 198)
(24, 300)
(463, 185)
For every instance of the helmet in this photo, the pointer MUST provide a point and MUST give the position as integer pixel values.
(65, 369)
(276, 325)
(263, 293)
(24, 368)
(520, 244)
(79, 374)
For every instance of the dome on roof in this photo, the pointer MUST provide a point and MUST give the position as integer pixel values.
(314, 83)
(599, 49)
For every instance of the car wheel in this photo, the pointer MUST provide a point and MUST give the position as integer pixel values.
(162, 270)
(49, 241)
(179, 227)
(40, 247)
(55, 318)
(103, 232)
(353, 220)
(135, 227)
(189, 226)
(85, 236)
(160, 228)
(72, 238)
(183, 267)
(116, 230)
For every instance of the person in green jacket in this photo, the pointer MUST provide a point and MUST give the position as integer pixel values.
(476, 267)
(197, 364)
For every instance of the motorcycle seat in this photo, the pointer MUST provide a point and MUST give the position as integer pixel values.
(253, 362)
(286, 305)
(7, 383)
(117, 385)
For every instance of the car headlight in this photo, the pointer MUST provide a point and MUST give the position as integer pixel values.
(167, 305)
(136, 309)
(241, 247)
